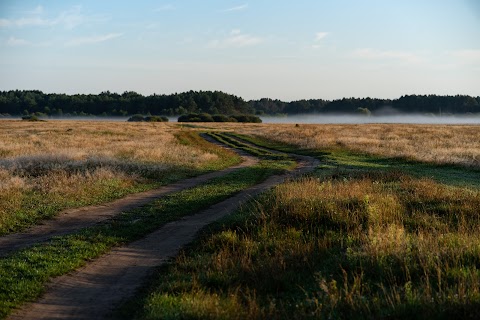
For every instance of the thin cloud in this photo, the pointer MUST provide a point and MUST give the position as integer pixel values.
(320, 35)
(38, 10)
(92, 39)
(467, 55)
(236, 39)
(237, 8)
(15, 42)
(372, 54)
(69, 19)
(166, 7)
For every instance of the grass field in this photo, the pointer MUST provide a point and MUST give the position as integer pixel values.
(49, 166)
(388, 225)
(438, 144)
(364, 237)
(24, 273)
(371, 246)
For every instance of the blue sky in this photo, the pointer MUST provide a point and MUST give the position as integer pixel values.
(279, 49)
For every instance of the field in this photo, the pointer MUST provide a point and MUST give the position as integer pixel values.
(439, 144)
(49, 166)
(387, 226)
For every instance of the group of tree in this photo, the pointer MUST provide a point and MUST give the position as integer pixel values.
(141, 118)
(406, 104)
(28, 102)
(20, 102)
(205, 117)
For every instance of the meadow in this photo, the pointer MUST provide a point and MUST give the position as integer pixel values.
(387, 226)
(49, 166)
(371, 246)
(430, 143)
(354, 240)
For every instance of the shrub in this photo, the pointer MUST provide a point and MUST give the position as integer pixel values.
(30, 118)
(220, 118)
(194, 117)
(140, 118)
(247, 118)
(136, 118)
(156, 119)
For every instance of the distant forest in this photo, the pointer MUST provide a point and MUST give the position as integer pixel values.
(25, 102)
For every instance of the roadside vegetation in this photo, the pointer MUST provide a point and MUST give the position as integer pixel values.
(363, 237)
(49, 166)
(386, 227)
(25, 272)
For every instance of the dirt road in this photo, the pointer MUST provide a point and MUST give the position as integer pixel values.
(93, 291)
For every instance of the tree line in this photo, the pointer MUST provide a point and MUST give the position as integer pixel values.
(19, 102)
(434, 104)
(25, 102)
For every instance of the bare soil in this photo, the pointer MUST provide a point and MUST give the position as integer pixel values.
(93, 291)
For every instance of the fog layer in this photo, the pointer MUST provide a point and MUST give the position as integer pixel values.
(360, 119)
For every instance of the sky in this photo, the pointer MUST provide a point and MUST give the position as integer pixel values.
(288, 50)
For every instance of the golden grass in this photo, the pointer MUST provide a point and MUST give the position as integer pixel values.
(73, 163)
(440, 144)
(80, 140)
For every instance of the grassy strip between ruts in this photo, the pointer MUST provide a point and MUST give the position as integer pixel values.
(354, 243)
(252, 149)
(86, 186)
(24, 273)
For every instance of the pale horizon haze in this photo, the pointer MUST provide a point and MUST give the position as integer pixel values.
(286, 50)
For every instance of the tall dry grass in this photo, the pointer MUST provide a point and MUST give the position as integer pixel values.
(81, 140)
(440, 144)
(45, 166)
(404, 245)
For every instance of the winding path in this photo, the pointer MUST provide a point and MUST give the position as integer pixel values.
(93, 291)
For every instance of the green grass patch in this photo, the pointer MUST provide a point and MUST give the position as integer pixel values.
(36, 206)
(25, 273)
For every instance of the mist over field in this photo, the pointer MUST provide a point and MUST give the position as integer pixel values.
(361, 119)
(319, 119)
